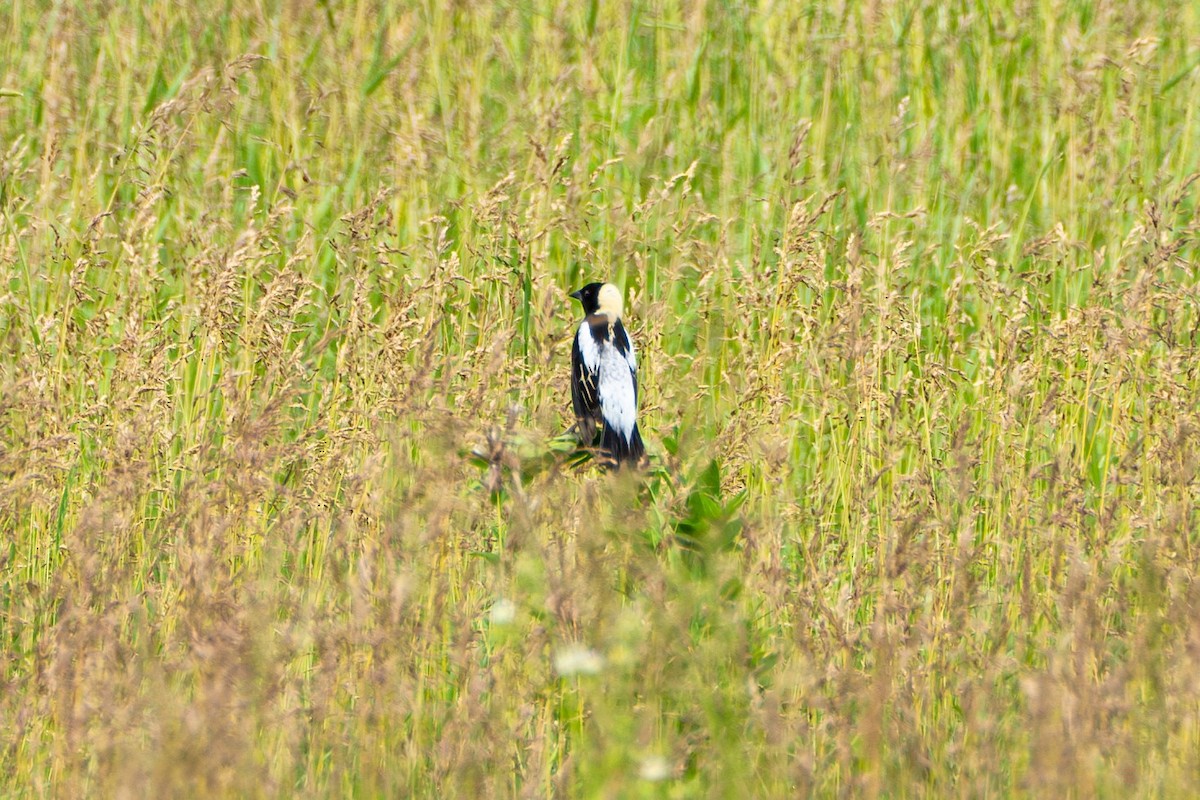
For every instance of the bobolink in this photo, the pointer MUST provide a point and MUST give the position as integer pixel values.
(604, 376)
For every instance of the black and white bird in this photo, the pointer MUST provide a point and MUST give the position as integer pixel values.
(604, 376)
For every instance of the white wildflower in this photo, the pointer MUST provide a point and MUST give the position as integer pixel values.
(654, 768)
(503, 612)
(576, 659)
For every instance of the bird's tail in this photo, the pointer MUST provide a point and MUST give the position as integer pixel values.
(620, 449)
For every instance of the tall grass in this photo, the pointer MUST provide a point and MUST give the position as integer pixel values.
(284, 334)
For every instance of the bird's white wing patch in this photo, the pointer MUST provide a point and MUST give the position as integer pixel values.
(588, 349)
(618, 400)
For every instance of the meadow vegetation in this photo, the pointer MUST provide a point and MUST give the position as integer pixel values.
(287, 500)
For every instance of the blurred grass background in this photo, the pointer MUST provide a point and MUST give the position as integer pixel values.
(284, 339)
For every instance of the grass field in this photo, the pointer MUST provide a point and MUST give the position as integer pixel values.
(287, 503)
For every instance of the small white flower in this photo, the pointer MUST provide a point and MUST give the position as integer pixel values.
(503, 612)
(654, 768)
(576, 659)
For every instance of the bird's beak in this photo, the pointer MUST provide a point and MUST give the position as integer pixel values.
(578, 295)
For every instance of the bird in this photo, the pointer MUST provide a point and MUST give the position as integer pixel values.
(604, 388)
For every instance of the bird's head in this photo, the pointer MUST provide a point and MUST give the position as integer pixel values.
(601, 298)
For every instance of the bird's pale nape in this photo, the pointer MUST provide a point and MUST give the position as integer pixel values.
(604, 388)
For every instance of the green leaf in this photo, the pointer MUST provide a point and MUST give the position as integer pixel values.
(380, 69)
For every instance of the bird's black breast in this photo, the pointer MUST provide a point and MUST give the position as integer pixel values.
(604, 331)
(601, 329)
